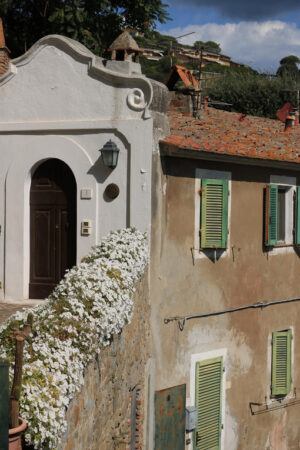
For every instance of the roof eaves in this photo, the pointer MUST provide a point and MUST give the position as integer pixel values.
(176, 151)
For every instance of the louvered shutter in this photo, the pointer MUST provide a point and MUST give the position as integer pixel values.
(214, 213)
(297, 217)
(281, 362)
(208, 403)
(271, 216)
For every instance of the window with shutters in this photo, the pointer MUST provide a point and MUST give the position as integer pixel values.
(281, 363)
(208, 401)
(279, 215)
(214, 213)
(297, 216)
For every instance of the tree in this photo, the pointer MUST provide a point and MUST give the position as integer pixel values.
(292, 59)
(158, 70)
(219, 68)
(208, 45)
(288, 67)
(251, 93)
(95, 23)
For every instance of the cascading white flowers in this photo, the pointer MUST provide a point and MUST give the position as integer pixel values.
(90, 305)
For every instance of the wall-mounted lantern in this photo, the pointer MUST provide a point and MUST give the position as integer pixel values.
(110, 154)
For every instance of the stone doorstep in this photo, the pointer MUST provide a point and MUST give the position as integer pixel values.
(9, 308)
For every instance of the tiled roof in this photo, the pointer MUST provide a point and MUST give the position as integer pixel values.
(226, 133)
(177, 72)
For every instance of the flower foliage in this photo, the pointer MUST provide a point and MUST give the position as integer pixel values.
(90, 304)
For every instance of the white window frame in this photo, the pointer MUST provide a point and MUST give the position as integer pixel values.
(213, 175)
(198, 357)
(269, 362)
(289, 184)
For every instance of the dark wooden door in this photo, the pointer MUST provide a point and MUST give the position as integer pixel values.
(52, 226)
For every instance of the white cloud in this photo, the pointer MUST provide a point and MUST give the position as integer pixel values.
(259, 44)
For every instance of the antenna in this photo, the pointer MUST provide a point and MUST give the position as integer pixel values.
(171, 44)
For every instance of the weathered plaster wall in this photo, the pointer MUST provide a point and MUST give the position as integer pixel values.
(100, 415)
(182, 284)
(60, 101)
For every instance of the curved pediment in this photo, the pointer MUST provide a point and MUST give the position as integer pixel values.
(60, 79)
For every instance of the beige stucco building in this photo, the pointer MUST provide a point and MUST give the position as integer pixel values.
(225, 241)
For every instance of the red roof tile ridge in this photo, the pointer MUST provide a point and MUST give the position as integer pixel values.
(2, 38)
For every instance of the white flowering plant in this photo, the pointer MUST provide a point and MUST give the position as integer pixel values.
(91, 303)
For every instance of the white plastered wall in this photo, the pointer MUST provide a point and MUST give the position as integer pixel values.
(18, 183)
(59, 101)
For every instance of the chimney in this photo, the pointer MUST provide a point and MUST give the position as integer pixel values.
(289, 122)
(4, 52)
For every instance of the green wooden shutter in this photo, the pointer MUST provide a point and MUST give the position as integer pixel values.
(208, 403)
(297, 217)
(214, 213)
(281, 362)
(271, 219)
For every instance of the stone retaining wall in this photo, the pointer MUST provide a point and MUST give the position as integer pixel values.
(110, 406)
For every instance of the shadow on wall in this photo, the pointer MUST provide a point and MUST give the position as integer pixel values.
(100, 171)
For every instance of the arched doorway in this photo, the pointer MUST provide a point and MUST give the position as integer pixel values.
(52, 226)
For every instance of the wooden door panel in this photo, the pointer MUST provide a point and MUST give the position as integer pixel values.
(52, 226)
(48, 197)
(64, 235)
(43, 245)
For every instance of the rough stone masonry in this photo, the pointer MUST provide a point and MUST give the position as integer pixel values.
(109, 412)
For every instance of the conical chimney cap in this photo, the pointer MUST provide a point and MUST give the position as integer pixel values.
(124, 42)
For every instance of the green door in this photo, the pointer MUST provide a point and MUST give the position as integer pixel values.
(170, 418)
(208, 402)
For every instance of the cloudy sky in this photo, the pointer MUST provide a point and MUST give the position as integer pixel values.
(255, 32)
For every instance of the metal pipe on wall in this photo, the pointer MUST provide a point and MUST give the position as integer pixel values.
(181, 320)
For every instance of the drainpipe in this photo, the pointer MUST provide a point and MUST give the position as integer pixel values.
(296, 114)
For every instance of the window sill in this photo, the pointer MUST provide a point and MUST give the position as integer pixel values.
(283, 245)
(204, 249)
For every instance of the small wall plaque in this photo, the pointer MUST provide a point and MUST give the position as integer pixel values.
(112, 191)
(86, 193)
(86, 227)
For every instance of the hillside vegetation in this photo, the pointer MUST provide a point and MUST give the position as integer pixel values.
(243, 88)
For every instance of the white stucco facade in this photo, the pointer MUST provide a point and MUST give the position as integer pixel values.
(60, 101)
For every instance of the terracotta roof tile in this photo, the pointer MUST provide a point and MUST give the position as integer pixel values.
(2, 38)
(177, 72)
(223, 132)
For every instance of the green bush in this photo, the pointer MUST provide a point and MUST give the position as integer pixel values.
(251, 93)
(158, 70)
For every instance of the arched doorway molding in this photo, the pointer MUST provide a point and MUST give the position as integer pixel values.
(18, 181)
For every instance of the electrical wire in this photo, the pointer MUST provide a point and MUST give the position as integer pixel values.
(182, 320)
